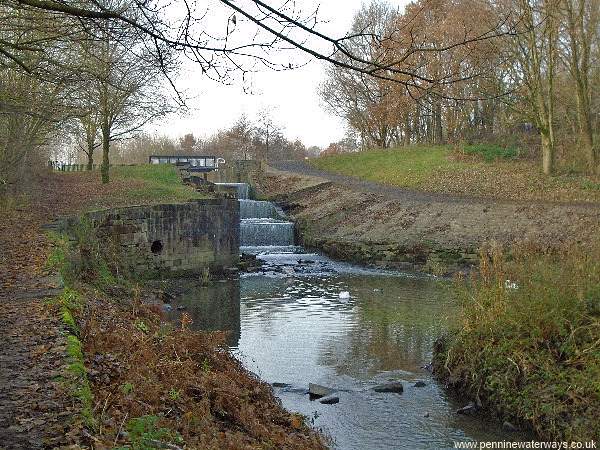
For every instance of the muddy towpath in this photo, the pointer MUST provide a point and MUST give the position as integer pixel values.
(371, 223)
(36, 410)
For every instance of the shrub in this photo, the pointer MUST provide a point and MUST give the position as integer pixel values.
(145, 433)
(528, 345)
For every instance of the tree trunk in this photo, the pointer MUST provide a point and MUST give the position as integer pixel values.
(105, 148)
(585, 129)
(547, 153)
(438, 136)
(90, 159)
(407, 130)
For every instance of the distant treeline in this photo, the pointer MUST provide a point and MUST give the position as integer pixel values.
(244, 140)
(511, 72)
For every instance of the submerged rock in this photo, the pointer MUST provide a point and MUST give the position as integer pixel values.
(420, 384)
(279, 385)
(329, 400)
(470, 408)
(428, 367)
(395, 387)
(316, 390)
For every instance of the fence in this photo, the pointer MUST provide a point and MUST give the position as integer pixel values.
(60, 167)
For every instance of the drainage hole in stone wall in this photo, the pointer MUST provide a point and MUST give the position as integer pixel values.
(156, 247)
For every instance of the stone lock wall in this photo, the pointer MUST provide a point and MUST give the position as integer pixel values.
(182, 238)
(236, 172)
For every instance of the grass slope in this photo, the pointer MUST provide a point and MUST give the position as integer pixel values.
(129, 185)
(487, 171)
(153, 183)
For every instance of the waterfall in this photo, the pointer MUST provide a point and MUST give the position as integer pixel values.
(254, 209)
(243, 190)
(262, 224)
(264, 231)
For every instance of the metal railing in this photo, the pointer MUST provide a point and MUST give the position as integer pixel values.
(205, 162)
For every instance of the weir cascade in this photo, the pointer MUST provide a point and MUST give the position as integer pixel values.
(242, 189)
(261, 224)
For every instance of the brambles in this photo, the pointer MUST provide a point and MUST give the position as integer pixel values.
(185, 380)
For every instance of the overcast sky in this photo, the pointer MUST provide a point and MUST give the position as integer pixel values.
(290, 95)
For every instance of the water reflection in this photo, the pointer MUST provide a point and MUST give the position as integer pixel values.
(288, 324)
(212, 308)
(391, 330)
(297, 330)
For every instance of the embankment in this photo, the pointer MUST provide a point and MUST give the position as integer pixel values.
(379, 225)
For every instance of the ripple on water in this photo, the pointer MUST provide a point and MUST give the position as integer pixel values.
(294, 328)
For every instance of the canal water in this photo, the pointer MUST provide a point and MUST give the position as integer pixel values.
(304, 318)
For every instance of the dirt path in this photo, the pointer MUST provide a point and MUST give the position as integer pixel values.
(35, 409)
(390, 192)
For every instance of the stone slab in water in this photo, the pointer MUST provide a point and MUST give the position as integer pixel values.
(329, 400)
(316, 390)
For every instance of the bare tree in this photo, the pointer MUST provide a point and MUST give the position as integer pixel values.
(581, 35)
(225, 50)
(188, 143)
(534, 52)
(124, 86)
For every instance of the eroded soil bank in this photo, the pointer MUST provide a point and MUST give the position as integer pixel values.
(367, 223)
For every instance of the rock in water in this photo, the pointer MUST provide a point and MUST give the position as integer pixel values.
(395, 387)
(316, 390)
(470, 408)
(420, 384)
(507, 426)
(329, 400)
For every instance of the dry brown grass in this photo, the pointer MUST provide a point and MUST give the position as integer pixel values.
(531, 352)
(140, 366)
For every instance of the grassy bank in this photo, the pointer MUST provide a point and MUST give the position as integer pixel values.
(481, 170)
(158, 183)
(530, 351)
(142, 184)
